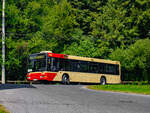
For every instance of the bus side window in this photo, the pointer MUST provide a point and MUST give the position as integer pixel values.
(113, 69)
(74, 65)
(49, 64)
(53, 64)
(110, 69)
(61, 65)
(104, 68)
(117, 69)
(84, 66)
(93, 67)
(101, 68)
(66, 65)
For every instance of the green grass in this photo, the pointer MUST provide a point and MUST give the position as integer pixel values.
(140, 89)
(3, 109)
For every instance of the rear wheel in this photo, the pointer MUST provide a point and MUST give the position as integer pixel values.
(65, 79)
(103, 81)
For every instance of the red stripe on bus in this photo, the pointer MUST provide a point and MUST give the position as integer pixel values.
(50, 76)
(56, 55)
(41, 76)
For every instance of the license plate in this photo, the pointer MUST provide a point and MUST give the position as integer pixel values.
(35, 79)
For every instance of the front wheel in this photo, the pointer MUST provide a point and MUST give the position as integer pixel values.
(65, 79)
(103, 81)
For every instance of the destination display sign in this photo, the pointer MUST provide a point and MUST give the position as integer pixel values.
(37, 57)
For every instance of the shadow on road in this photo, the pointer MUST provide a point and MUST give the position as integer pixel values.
(60, 83)
(15, 86)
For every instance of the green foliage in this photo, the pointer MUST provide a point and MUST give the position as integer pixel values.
(38, 43)
(16, 58)
(135, 60)
(85, 47)
(91, 28)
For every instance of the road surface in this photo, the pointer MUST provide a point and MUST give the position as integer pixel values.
(69, 99)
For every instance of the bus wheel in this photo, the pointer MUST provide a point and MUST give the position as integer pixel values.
(103, 81)
(65, 79)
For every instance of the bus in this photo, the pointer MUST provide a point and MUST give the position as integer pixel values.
(48, 66)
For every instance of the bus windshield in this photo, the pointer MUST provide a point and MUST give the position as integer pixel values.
(37, 63)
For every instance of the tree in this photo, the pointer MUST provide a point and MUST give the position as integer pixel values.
(85, 47)
(58, 24)
(134, 60)
(92, 28)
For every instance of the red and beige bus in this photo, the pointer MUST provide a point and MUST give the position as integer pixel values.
(48, 66)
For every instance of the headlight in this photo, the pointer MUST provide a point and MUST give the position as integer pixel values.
(29, 70)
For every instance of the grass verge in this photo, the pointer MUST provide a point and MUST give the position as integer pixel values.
(3, 109)
(139, 89)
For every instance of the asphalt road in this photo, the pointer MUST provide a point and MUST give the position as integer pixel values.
(69, 99)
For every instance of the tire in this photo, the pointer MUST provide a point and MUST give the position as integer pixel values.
(65, 79)
(103, 81)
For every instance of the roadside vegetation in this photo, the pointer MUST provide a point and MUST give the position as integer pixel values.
(3, 109)
(127, 88)
(109, 29)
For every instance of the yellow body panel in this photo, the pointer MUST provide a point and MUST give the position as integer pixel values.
(87, 77)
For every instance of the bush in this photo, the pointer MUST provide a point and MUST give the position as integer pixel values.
(135, 60)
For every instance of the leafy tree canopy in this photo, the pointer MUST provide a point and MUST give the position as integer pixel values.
(116, 29)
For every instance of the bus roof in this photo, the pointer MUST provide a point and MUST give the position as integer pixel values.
(50, 54)
(92, 59)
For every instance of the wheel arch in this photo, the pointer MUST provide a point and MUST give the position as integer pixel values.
(65, 74)
(103, 76)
